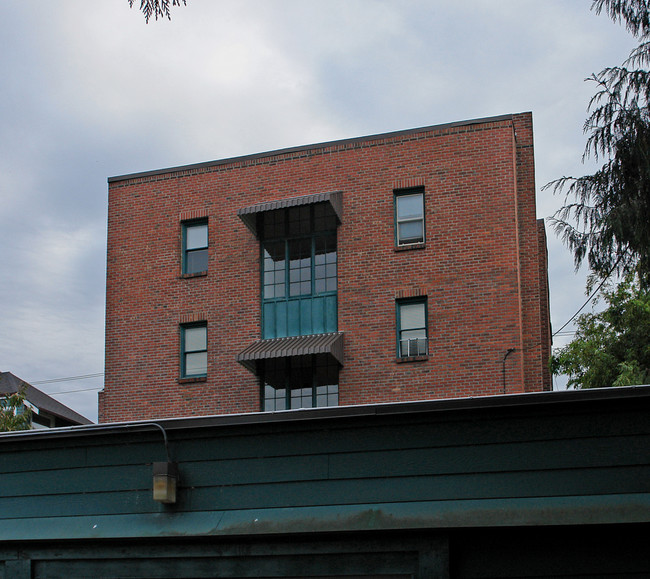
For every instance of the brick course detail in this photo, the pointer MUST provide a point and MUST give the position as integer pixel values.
(482, 268)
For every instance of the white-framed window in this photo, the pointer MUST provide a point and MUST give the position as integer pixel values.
(412, 339)
(194, 350)
(409, 216)
(195, 246)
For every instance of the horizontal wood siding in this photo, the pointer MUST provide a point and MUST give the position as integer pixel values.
(332, 463)
(555, 486)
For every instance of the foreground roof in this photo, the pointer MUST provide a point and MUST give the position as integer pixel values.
(543, 459)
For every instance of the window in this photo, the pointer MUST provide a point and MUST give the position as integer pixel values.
(194, 350)
(409, 216)
(299, 382)
(412, 328)
(299, 271)
(195, 247)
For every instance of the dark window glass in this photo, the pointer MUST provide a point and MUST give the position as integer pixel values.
(409, 217)
(300, 265)
(274, 270)
(300, 382)
(300, 220)
(195, 246)
(324, 218)
(274, 224)
(325, 264)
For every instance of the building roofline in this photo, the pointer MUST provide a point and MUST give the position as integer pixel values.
(530, 401)
(303, 148)
(10, 384)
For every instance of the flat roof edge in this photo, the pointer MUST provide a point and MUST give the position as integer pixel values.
(301, 148)
(526, 400)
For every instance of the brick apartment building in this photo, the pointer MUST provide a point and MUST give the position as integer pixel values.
(394, 267)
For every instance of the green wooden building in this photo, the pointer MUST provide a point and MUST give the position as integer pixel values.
(553, 484)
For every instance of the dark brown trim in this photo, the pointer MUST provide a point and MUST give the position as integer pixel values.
(533, 402)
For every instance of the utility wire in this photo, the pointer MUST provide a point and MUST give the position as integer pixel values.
(593, 293)
(68, 378)
(71, 391)
(580, 309)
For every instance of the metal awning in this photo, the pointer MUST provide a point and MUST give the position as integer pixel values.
(331, 344)
(249, 214)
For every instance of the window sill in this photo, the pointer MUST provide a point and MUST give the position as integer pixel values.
(410, 246)
(197, 274)
(406, 359)
(192, 379)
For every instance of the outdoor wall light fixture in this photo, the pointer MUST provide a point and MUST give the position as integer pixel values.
(165, 474)
(165, 477)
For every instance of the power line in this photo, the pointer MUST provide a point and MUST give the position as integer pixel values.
(581, 307)
(68, 378)
(593, 293)
(78, 390)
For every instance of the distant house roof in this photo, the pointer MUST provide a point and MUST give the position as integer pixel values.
(10, 384)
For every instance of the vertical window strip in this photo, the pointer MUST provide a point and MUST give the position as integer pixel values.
(299, 271)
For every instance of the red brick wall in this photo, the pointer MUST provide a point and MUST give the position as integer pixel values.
(480, 270)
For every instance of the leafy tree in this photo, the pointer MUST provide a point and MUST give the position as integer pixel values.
(14, 413)
(612, 347)
(608, 219)
(157, 8)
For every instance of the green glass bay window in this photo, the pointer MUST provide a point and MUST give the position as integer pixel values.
(299, 271)
(300, 351)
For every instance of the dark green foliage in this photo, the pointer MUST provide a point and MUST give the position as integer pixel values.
(14, 414)
(157, 8)
(635, 14)
(612, 347)
(608, 220)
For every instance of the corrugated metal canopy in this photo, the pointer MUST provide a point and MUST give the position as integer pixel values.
(249, 214)
(331, 344)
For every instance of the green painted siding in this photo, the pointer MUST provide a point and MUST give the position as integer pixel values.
(557, 460)
(331, 463)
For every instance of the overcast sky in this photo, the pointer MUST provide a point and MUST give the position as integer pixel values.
(88, 91)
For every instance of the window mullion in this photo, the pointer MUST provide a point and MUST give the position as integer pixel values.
(312, 266)
(314, 389)
(287, 271)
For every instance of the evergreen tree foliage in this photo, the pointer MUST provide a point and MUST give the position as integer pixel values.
(612, 347)
(157, 8)
(606, 217)
(14, 413)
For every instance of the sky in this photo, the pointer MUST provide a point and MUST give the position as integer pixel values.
(88, 90)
